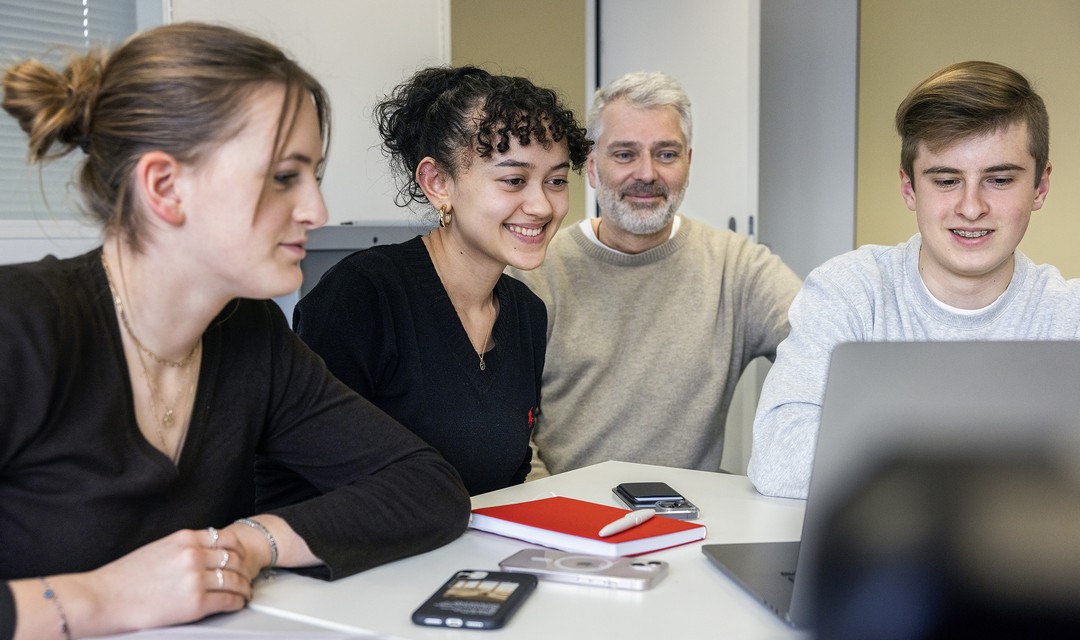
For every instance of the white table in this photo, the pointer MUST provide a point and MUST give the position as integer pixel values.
(695, 600)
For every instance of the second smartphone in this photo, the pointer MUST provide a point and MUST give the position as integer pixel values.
(658, 496)
(619, 573)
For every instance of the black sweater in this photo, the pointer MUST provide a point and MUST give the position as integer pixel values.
(385, 325)
(80, 486)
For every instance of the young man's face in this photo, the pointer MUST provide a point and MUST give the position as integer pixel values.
(973, 200)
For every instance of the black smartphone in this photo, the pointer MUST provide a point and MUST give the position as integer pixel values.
(658, 496)
(473, 599)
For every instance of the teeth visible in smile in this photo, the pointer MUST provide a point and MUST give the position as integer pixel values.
(529, 233)
(970, 234)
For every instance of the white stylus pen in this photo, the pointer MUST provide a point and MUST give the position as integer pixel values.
(629, 521)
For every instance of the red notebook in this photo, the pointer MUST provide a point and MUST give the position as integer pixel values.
(574, 525)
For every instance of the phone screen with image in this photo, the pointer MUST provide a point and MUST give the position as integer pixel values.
(474, 599)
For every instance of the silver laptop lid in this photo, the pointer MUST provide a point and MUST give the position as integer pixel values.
(936, 399)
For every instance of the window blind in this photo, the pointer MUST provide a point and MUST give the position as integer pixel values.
(50, 30)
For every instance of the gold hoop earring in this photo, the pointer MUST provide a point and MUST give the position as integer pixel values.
(444, 215)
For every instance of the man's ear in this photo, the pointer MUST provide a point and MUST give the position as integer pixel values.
(907, 190)
(156, 175)
(590, 170)
(1042, 188)
(434, 182)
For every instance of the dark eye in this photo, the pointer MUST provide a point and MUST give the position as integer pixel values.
(514, 182)
(285, 179)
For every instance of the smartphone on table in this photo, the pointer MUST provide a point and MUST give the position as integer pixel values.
(474, 599)
(618, 573)
(658, 496)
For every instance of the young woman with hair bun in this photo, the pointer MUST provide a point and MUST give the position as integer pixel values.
(147, 382)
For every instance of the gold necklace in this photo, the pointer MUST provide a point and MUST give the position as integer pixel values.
(487, 339)
(164, 420)
(483, 367)
(179, 364)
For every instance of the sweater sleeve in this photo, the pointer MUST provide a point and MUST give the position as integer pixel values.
(824, 313)
(7, 612)
(383, 493)
(764, 302)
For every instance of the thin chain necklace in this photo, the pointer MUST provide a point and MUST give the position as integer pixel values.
(166, 418)
(483, 367)
(178, 364)
(164, 414)
(483, 347)
(487, 338)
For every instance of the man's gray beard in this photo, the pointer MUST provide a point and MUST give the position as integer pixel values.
(639, 221)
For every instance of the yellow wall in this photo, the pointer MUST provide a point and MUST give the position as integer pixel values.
(543, 41)
(900, 43)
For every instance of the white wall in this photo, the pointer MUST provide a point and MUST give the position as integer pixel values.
(359, 50)
(809, 97)
(711, 47)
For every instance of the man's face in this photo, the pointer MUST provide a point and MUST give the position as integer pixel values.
(973, 200)
(640, 167)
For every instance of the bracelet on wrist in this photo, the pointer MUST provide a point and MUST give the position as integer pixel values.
(51, 596)
(261, 528)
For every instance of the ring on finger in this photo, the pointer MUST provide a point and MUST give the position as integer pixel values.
(224, 559)
(220, 575)
(213, 536)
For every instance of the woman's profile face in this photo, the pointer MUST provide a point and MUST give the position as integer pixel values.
(250, 208)
(508, 206)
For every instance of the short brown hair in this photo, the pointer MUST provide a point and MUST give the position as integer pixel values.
(179, 88)
(967, 99)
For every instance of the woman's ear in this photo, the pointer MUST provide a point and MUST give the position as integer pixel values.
(434, 182)
(156, 175)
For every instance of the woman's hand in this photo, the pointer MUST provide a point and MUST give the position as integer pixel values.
(180, 578)
(183, 577)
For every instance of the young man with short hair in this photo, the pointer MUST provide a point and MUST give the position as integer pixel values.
(974, 166)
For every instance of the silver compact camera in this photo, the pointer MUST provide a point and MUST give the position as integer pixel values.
(617, 573)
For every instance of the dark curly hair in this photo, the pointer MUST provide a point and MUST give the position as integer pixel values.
(451, 113)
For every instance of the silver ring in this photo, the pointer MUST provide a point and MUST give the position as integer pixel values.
(213, 536)
(220, 575)
(224, 559)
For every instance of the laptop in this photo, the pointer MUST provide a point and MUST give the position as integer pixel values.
(884, 399)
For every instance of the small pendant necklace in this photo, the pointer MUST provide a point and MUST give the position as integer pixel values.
(178, 364)
(164, 414)
(166, 418)
(483, 366)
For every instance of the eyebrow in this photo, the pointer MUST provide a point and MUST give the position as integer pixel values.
(660, 144)
(304, 158)
(510, 162)
(997, 168)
